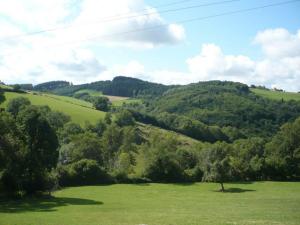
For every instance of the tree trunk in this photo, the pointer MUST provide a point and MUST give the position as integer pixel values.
(222, 187)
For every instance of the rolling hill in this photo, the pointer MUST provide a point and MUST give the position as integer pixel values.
(82, 111)
(119, 86)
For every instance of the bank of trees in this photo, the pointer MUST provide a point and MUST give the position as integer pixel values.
(42, 149)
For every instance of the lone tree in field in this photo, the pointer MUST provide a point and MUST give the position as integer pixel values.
(216, 165)
(102, 103)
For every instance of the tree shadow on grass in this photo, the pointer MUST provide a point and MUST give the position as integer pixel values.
(235, 190)
(43, 204)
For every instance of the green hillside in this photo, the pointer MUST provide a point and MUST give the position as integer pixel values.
(276, 95)
(79, 111)
(221, 104)
(82, 111)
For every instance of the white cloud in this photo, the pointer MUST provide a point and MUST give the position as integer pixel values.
(279, 43)
(280, 66)
(104, 20)
(212, 64)
(51, 55)
(77, 66)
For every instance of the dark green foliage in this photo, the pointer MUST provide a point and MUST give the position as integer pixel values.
(98, 128)
(57, 120)
(283, 152)
(247, 159)
(83, 172)
(111, 141)
(83, 96)
(108, 118)
(69, 130)
(2, 97)
(184, 125)
(29, 147)
(216, 164)
(124, 118)
(130, 87)
(101, 103)
(28, 87)
(16, 105)
(16, 87)
(225, 104)
(157, 161)
(119, 86)
(84, 146)
(51, 86)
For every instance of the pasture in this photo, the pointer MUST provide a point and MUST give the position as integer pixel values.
(276, 95)
(259, 203)
(79, 111)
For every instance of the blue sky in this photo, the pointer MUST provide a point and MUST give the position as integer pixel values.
(258, 47)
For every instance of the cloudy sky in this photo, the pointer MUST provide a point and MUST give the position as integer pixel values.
(89, 40)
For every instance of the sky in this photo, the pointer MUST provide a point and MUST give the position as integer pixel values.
(89, 40)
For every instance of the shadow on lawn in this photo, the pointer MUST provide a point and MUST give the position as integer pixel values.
(43, 204)
(235, 190)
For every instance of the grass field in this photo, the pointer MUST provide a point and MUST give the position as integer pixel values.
(261, 203)
(5, 86)
(79, 111)
(90, 92)
(276, 95)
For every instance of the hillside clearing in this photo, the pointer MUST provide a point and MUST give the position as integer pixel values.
(79, 111)
(276, 95)
(259, 203)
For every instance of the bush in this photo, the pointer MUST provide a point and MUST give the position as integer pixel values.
(124, 118)
(83, 172)
(101, 103)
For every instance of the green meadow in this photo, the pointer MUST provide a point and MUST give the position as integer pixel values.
(79, 111)
(259, 203)
(277, 95)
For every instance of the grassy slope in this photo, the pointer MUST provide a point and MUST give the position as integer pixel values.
(261, 203)
(80, 111)
(147, 130)
(5, 86)
(276, 95)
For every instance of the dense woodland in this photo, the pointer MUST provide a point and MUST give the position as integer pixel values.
(241, 137)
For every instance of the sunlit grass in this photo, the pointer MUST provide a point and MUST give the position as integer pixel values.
(79, 111)
(276, 95)
(262, 203)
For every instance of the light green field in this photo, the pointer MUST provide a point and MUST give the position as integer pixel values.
(261, 203)
(121, 101)
(90, 92)
(5, 86)
(79, 111)
(276, 95)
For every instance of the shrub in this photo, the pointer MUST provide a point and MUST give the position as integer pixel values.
(83, 172)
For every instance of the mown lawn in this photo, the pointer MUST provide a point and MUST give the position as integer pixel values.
(263, 203)
(276, 95)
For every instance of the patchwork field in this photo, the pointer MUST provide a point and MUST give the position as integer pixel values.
(261, 203)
